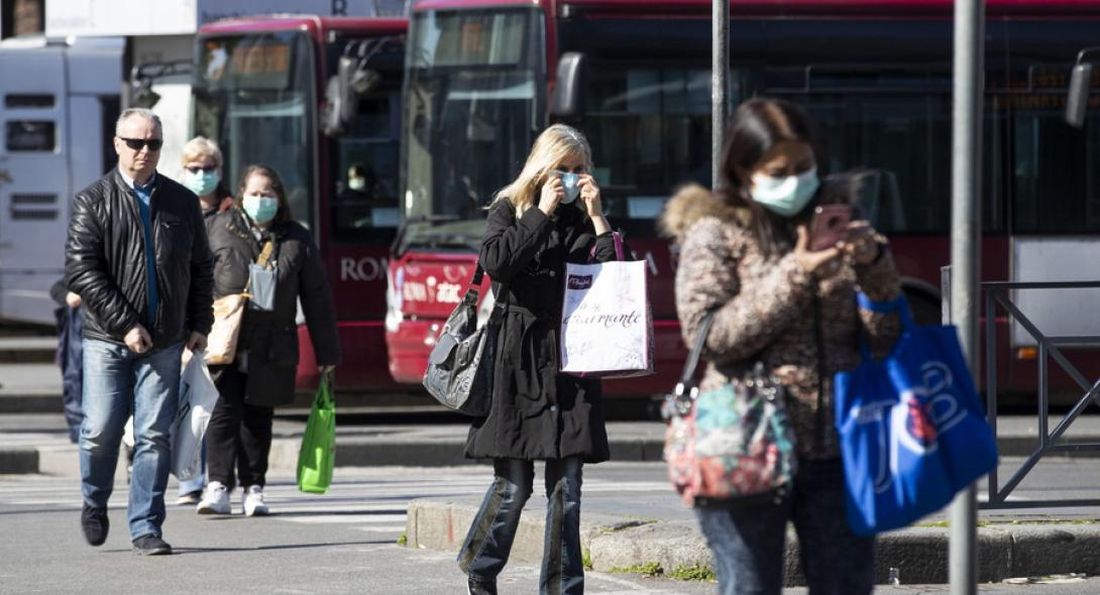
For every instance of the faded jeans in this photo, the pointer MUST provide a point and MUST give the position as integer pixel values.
(116, 381)
(747, 539)
(489, 541)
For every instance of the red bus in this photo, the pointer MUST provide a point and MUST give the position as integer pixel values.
(484, 77)
(317, 98)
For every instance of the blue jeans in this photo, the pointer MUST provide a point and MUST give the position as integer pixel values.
(747, 538)
(116, 381)
(489, 541)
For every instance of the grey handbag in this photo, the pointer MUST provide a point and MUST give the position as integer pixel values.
(460, 367)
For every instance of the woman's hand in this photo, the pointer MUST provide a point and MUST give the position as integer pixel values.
(590, 194)
(821, 264)
(863, 244)
(553, 192)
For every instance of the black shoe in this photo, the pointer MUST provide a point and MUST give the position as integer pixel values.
(476, 586)
(95, 524)
(151, 545)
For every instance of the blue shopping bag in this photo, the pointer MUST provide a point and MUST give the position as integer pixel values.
(912, 428)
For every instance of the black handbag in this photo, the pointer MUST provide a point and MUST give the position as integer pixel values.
(460, 367)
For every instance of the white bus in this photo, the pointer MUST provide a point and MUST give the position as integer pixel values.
(58, 103)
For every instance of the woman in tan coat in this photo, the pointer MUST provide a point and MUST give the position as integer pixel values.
(745, 254)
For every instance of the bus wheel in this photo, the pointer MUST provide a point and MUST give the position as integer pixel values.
(926, 309)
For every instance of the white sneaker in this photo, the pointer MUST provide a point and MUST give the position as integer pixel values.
(215, 500)
(253, 501)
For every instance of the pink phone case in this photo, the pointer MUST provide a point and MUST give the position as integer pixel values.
(829, 226)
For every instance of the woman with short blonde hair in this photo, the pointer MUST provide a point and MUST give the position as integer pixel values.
(202, 174)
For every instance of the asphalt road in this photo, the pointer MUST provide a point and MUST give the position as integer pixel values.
(341, 542)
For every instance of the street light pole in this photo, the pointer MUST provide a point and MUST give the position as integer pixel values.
(966, 230)
(719, 85)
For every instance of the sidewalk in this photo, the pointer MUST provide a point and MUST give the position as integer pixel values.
(660, 536)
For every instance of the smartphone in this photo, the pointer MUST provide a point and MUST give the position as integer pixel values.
(829, 226)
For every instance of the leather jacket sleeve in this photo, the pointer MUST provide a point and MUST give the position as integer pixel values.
(200, 300)
(86, 270)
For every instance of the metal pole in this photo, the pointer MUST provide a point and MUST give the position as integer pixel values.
(966, 178)
(719, 85)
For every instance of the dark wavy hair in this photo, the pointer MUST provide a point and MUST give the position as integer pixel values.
(283, 215)
(757, 126)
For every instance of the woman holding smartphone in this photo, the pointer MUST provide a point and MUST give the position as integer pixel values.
(746, 254)
(551, 214)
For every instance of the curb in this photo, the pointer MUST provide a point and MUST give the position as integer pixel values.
(16, 460)
(382, 451)
(61, 458)
(920, 553)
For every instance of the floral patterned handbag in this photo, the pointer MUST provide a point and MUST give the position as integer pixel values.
(730, 442)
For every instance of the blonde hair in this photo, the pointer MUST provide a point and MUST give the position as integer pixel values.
(556, 144)
(201, 147)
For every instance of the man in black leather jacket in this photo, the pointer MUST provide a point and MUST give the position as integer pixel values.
(137, 255)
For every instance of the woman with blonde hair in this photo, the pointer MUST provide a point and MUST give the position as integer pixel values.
(202, 174)
(551, 214)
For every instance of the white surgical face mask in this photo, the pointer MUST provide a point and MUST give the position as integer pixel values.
(261, 208)
(787, 195)
(569, 182)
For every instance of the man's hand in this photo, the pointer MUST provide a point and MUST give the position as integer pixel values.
(197, 342)
(138, 339)
(72, 300)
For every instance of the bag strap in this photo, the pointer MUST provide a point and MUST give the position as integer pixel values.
(262, 260)
(899, 306)
(687, 378)
(619, 251)
(474, 291)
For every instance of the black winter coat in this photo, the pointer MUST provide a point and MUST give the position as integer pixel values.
(105, 261)
(271, 338)
(537, 413)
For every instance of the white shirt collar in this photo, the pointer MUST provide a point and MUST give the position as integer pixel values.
(130, 181)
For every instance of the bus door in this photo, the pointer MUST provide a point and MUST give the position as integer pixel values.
(34, 181)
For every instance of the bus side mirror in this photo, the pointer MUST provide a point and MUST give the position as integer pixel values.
(1077, 101)
(567, 99)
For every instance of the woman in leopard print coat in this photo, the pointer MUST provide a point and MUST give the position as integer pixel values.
(744, 253)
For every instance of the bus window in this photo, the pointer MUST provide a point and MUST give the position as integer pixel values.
(31, 136)
(649, 127)
(907, 140)
(1056, 172)
(365, 205)
(28, 101)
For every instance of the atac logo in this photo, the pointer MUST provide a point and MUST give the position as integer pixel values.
(916, 421)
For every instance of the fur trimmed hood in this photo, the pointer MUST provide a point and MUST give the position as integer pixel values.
(691, 203)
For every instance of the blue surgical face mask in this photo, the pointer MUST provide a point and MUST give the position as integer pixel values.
(260, 208)
(201, 182)
(569, 181)
(787, 195)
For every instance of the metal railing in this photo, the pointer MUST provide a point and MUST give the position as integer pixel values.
(1048, 348)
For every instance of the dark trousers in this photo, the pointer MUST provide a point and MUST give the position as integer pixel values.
(747, 538)
(70, 357)
(489, 540)
(239, 434)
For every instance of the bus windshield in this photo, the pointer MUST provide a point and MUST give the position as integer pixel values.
(253, 96)
(472, 105)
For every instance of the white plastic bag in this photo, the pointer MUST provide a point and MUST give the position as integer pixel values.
(606, 328)
(197, 399)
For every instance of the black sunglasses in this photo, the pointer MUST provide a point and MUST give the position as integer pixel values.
(196, 169)
(138, 144)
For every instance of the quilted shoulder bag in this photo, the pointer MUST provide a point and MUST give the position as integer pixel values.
(460, 366)
(733, 441)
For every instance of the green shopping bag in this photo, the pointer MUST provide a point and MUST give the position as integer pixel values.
(315, 459)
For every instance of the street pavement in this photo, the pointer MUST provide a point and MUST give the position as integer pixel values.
(341, 542)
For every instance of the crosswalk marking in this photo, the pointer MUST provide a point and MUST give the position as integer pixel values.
(373, 500)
